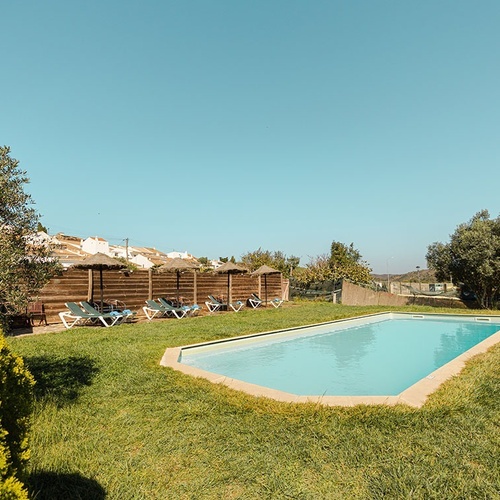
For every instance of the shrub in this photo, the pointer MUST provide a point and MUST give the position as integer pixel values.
(16, 399)
(10, 487)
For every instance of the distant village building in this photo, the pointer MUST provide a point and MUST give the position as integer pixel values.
(215, 263)
(147, 258)
(94, 244)
(180, 255)
(70, 250)
(67, 249)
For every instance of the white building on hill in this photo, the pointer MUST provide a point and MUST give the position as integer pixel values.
(94, 244)
(71, 250)
(180, 255)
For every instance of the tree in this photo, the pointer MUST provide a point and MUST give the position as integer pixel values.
(471, 258)
(25, 261)
(344, 262)
(277, 260)
(41, 227)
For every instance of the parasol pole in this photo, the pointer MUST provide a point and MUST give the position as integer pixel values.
(90, 289)
(102, 289)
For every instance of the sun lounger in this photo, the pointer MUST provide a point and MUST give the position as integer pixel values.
(254, 301)
(153, 309)
(215, 305)
(77, 316)
(275, 302)
(236, 306)
(116, 316)
(117, 306)
(192, 310)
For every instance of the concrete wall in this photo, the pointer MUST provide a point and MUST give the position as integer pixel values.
(354, 295)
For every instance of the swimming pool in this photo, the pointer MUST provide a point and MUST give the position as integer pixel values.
(382, 358)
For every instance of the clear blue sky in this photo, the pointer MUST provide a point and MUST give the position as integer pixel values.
(222, 126)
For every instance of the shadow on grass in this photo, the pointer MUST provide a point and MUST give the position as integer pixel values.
(61, 379)
(54, 486)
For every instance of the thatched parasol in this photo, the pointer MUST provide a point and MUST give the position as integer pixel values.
(230, 268)
(99, 261)
(178, 265)
(264, 270)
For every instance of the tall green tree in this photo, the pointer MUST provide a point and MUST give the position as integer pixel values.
(277, 260)
(471, 258)
(25, 261)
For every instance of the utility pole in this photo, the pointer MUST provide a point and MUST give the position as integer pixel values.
(126, 249)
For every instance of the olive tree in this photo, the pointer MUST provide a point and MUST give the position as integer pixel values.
(278, 260)
(343, 262)
(25, 262)
(471, 258)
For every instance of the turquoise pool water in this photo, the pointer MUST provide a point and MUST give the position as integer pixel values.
(383, 357)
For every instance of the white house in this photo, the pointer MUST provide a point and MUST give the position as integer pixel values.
(215, 263)
(67, 249)
(179, 255)
(94, 244)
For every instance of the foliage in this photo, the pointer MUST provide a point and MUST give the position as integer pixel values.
(277, 260)
(16, 399)
(205, 265)
(10, 487)
(25, 262)
(133, 429)
(130, 266)
(471, 258)
(227, 259)
(344, 262)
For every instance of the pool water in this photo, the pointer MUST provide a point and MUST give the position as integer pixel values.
(383, 357)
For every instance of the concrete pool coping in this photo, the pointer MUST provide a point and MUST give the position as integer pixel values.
(415, 395)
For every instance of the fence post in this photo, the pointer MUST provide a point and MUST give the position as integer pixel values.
(90, 290)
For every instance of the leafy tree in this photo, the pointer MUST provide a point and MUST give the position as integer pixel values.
(341, 254)
(471, 258)
(344, 262)
(205, 264)
(277, 260)
(25, 262)
(129, 266)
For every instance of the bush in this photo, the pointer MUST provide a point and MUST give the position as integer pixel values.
(16, 399)
(10, 487)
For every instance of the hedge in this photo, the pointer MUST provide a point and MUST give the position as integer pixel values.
(16, 400)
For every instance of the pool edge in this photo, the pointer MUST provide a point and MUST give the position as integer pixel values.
(416, 395)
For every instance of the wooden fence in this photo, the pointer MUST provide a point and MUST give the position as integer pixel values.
(74, 285)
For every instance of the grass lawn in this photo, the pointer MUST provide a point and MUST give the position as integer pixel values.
(110, 422)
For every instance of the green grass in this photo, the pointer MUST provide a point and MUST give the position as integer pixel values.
(110, 422)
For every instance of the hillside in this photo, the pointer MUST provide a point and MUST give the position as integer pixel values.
(424, 276)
